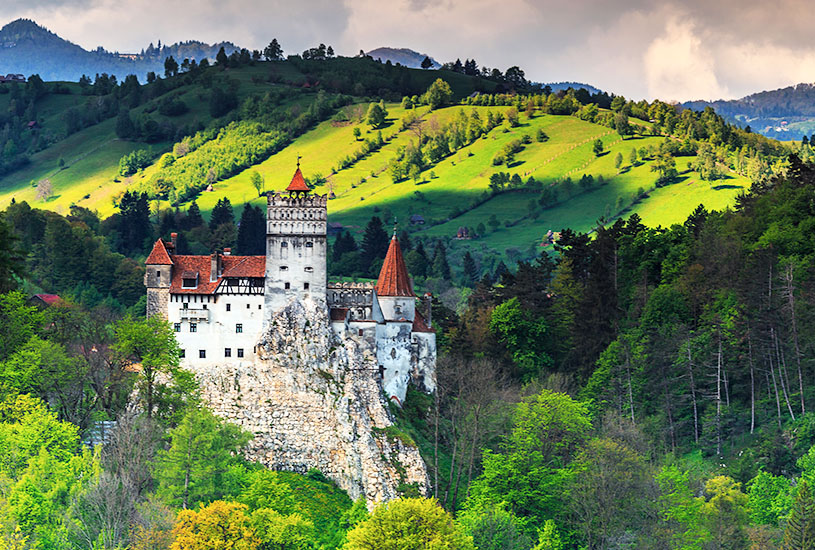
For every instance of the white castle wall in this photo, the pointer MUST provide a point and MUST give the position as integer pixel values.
(296, 249)
(216, 319)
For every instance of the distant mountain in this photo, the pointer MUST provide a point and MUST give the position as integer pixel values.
(557, 86)
(28, 48)
(786, 113)
(404, 56)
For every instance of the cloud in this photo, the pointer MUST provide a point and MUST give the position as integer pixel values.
(640, 48)
(678, 67)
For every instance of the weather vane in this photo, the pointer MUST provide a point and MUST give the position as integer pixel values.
(298, 160)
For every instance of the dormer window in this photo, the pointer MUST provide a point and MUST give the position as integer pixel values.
(189, 279)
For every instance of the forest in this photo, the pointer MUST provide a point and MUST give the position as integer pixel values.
(630, 387)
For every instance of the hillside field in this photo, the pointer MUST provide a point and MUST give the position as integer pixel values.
(83, 169)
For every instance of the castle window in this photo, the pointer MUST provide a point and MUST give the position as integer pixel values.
(227, 352)
(309, 269)
(260, 306)
(309, 245)
(284, 244)
(185, 305)
(193, 327)
(240, 352)
(229, 307)
(305, 286)
(239, 328)
(284, 268)
(177, 327)
(202, 354)
(248, 306)
(158, 274)
(204, 306)
(359, 332)
(393, 353)
(287, 286)
(182, 354)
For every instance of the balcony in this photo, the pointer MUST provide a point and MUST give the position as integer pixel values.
(195, 315)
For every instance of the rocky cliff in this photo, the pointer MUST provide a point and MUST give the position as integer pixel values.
(314, 401)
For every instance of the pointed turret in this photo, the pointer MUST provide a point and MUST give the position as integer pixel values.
(159, 255)
(394, 279)
(298, 183)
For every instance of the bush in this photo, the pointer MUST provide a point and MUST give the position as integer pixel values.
(135, 161)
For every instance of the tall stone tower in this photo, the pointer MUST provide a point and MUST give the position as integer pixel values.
(295, 245)
(158, 275)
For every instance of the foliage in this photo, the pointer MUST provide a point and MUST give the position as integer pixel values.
(408, 524)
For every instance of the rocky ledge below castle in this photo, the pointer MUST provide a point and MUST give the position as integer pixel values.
(313, 401)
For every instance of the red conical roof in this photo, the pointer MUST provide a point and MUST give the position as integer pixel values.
(159, 255)
(394, 279)
(297, 182)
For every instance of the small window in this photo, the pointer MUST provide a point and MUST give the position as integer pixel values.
(248, 306)
(177, 327)
(359, 332)
(227, 352)
(287, 286)
(305, 286)
(158, 274)
(309, 245)
(309, 269)
(239, 328)
(229, 307)
(185, 305)
(260, 306)
(240, 352)
(193, 327)
(393, 353)
(205, 306)
(202, 354)
(284, 244)
(182, 354)
(188, 283)
(284, 268)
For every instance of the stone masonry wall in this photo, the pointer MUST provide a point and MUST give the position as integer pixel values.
(314, 401)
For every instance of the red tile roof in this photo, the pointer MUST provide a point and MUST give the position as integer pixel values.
(159, 255)
(297, 182)
(394, 279)
(231, 266)
(419, 324)
(48, 299)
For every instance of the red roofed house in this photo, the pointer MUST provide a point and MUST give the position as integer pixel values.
(219, 304)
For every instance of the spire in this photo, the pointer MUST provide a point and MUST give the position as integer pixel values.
(159, 255)
(394, 279)
(298, 183)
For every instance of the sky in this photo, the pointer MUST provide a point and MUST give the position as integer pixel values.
(695, 49)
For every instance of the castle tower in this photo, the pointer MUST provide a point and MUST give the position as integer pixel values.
(295, 245)
(393, 287)
(158, 275)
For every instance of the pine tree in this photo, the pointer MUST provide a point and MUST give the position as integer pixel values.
(440, 266)
(374, 244)
(11, 259)
(125, 129)
(800, 531)
(194, 218)
(251, 232)
(470, 269)
(405, 242)
(342, 245)
(416, 261)
(222, 213)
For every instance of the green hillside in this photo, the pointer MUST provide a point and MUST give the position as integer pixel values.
(449, 193)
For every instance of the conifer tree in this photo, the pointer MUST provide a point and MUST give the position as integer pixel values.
(440, 266)
(222, 213)
(251, 232)
(194, 218)
(470, 269)
(374, 244)
(345, 243)
(800, 531)
(416, 261)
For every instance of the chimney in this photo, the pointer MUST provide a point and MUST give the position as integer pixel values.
(227, 251)
(428, 299)
(215, 266)
(174, 241)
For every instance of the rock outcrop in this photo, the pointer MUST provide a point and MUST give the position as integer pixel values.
(314, 401)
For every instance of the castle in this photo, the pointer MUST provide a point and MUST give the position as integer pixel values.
(220, 305)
